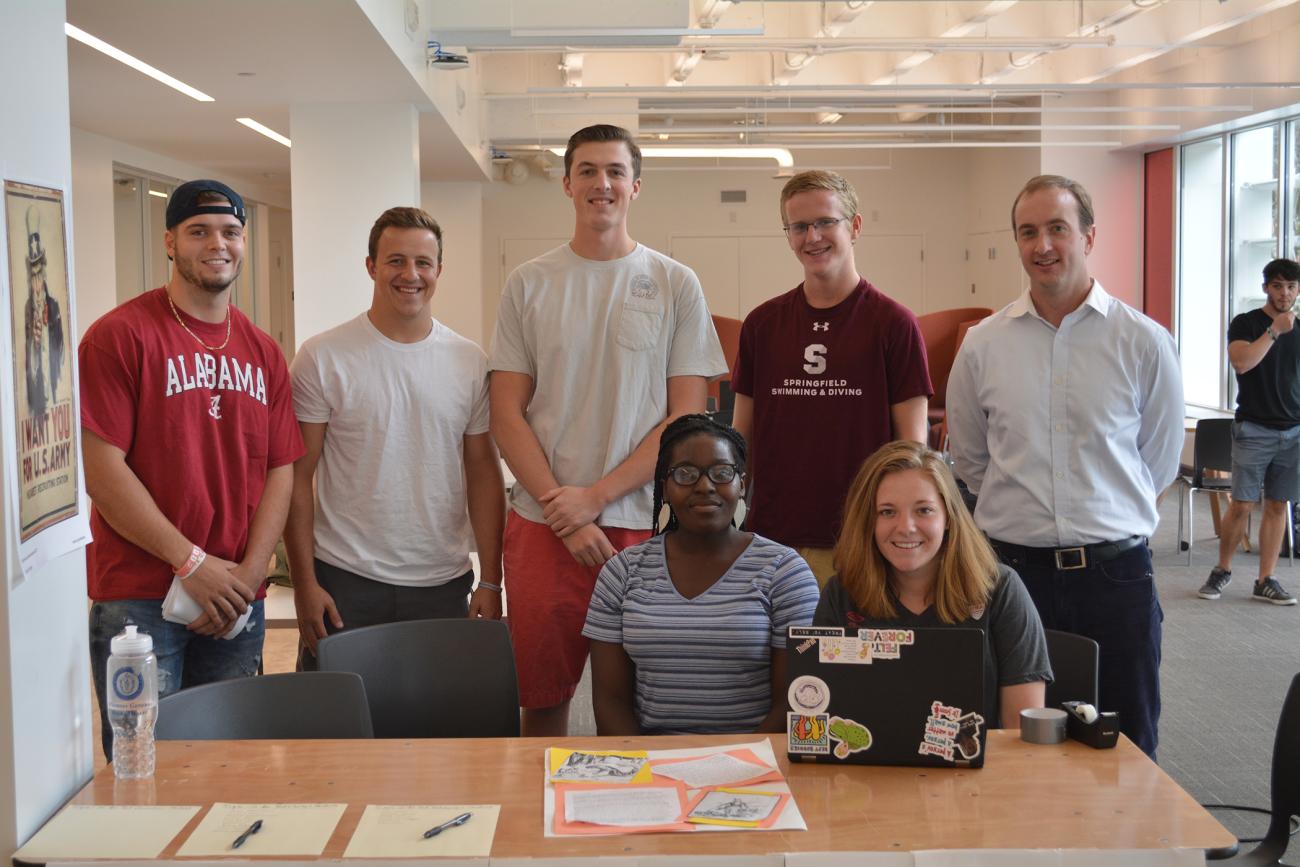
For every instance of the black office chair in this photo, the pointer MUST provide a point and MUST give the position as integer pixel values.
(432, 678)
(272, 706)
(1285, 785)
(1212, 451)
(1074, 661)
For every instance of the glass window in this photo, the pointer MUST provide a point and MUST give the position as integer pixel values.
(1201, 328)
(1293, 191)
(1255, 217)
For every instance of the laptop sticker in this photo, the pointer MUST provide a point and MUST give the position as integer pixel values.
(853, 651)
(849, 737)
(950, 734)
(808, 734)
(886, 643)
(808, 694)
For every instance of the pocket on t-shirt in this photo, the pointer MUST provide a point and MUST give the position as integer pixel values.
(639, 324)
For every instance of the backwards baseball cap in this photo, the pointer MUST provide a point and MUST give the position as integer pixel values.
(184, 202)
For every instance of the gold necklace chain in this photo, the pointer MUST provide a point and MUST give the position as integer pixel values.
(177, 314)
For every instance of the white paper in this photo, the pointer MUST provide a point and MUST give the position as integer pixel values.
(179, 607)
(653, 806)
(735, 807)
(715, 770)
(586, 767)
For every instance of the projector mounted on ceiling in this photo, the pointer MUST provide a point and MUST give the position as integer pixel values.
(441, 59)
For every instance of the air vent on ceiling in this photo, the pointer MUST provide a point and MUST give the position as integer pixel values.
(733, 197)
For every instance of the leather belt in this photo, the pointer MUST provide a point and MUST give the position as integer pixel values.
(1069, 559)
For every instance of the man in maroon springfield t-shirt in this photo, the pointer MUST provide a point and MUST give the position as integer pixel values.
(189, 440)
(826, 374)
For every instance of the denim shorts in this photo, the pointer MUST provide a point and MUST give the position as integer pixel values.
(184, 658)
(1265, 460)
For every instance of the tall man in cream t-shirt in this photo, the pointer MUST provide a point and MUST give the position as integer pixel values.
(599, 343)
(392, 405)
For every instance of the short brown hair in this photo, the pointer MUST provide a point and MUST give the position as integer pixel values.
(1042, 182)
(603, 132)
(821, 179)
(404, 218)
(968, 568)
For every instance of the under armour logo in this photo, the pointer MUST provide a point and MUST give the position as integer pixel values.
(215, 409)
(821, 326)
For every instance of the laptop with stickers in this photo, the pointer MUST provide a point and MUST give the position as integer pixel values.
(886, 696)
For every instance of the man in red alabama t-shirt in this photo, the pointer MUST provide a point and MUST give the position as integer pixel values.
(189, 441)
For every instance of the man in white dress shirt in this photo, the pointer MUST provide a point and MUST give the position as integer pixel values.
(1065, 414)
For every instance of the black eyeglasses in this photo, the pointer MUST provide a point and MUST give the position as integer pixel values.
(689, 474)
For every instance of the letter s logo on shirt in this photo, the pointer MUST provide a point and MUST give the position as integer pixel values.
(815, 355)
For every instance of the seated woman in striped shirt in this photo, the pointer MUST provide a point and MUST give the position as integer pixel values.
(909, 555)
(688, 629)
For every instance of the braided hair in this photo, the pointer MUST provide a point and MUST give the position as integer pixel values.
(682, 428)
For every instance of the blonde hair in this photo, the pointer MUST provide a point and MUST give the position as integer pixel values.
(967, 566)
(821, 179)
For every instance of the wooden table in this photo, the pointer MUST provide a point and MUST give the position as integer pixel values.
(1025, 797)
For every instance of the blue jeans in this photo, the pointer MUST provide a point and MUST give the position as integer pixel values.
(1115, 604)
(184, 658)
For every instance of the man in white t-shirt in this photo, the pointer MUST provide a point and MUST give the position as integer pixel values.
(599, 344)
(393, 407)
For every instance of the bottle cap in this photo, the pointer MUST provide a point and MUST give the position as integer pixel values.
(131, 643)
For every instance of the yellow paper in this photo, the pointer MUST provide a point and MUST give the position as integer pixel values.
(287, 829)
(739, 823)
(397, 831)
(585, 766)
(86, 831)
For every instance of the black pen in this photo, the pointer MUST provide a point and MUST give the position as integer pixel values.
(450, 823)
(252, 829)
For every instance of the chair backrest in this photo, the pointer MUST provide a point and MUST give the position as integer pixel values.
(728, 330)
(1074, 667)
(270, 706)
(432, 678)
(1286, 777)
(939, 331)
(1212, 448)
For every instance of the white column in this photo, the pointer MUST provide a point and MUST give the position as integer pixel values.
(458, 303)
(350, 162)
(45, 705)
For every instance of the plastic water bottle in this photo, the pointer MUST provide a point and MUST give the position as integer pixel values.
(132, 703)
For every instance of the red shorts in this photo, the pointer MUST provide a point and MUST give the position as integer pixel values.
(547, 592)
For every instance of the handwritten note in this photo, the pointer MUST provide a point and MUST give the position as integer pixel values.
(287, 829)
(397, 831)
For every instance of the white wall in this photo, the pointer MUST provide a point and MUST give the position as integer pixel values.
(93, 157)
(458, 303)
(925, 193)
(45, 706)
(1114, 180)
(350, 163)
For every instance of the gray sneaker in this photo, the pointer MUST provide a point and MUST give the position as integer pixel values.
(1269, 590)
(1213, 588)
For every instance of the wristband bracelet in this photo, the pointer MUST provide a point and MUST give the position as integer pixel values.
(1271, 332)
(496, 588)
(196, 558)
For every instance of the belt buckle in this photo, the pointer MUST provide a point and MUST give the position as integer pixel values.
(1068, 555)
